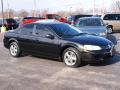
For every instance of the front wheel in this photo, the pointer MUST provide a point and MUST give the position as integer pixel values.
(71, 57)
(14, 49)
(110, 30)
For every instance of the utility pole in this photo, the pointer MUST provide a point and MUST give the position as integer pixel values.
(103, 9)
(8, 11)
(2, 13)
(2, 28)
(93, 7)
(34, 13)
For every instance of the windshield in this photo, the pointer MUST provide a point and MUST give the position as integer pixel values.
(11, 21)
(89, 22)
(65, 30)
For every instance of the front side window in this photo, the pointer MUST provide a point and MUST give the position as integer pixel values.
(27, 29)
(42, 30)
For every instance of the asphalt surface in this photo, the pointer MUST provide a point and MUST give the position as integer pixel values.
(35, 73)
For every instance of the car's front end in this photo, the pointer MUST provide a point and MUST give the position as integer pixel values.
(97, 53)
(94, 48)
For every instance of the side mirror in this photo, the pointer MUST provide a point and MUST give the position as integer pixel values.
(50, 36)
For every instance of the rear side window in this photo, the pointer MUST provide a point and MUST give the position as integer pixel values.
(112, 17)
(27, 29)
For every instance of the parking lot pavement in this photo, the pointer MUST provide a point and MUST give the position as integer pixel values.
(33, 73)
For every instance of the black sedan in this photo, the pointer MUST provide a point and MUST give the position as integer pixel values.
(58, 40)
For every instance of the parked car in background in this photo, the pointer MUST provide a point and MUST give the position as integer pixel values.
(73, 18)
(57, 17)
(92, 25)
(27, 20)
(113, 22)
(9, 23)
(58, 40)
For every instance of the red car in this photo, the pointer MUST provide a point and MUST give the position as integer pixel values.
(27, 20)
(57, 17)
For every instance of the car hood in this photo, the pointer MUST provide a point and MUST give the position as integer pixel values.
(89, 40)
(93, 29)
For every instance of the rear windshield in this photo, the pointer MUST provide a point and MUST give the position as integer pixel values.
(80, 16)
(89, 22)
(76, 17)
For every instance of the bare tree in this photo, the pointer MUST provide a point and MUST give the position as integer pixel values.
(116, 6)
(9, 14)
(63, 13)
(44, 12)
(23, 13)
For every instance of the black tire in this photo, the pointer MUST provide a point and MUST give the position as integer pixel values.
(15, 46)
(110, 30)
(77, 63)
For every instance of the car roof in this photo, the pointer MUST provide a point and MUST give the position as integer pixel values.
(82, 15)
(90, 18)
(33, 18)
(48, 21)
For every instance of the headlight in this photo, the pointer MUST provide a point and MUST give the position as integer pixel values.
(91, 47)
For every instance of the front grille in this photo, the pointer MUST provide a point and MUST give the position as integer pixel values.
(108, 47)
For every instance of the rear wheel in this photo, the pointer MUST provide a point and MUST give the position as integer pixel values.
(71, 57)
(14, 49)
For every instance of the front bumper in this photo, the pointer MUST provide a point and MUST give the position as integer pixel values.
(94, 56)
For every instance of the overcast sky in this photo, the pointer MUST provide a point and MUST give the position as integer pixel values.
(56, 5)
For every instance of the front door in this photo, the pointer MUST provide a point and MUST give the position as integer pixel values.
(45, 45)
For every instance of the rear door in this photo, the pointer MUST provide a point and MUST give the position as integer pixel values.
(26, 37)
